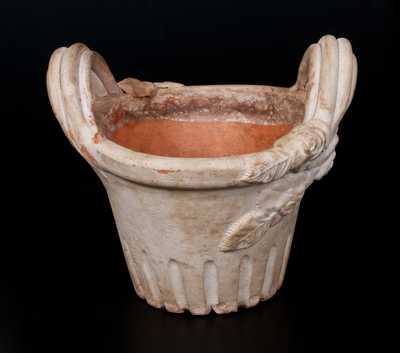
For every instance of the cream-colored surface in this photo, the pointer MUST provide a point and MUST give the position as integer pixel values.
(213, 233)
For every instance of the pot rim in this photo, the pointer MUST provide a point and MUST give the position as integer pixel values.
(327, 74)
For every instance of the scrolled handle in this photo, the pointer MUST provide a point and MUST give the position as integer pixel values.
(328, 73)
(76, 76)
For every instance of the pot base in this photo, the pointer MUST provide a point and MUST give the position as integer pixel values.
(223, 308)
(220, 308)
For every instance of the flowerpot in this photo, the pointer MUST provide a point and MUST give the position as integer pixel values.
(204, 181)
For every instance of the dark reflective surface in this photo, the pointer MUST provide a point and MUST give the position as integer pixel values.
(118, 321)
(216, 334)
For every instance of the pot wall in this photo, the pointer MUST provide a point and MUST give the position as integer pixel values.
(172, 244)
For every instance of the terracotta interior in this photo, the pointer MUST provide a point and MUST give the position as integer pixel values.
(200, 121)
(193, 139)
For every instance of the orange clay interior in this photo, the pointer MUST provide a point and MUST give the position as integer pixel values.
(197, 139)
(226, 129)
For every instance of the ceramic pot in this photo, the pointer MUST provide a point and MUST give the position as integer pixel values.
(212, 228)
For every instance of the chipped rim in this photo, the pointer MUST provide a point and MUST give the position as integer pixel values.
(328, 73)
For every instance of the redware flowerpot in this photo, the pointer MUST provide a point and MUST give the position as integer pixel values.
(204, 181)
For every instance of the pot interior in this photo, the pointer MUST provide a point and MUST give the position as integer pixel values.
(199, 121)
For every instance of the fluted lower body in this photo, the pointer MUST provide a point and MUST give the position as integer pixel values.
(170, 241)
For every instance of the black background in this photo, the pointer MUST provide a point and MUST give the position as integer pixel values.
(64, 285)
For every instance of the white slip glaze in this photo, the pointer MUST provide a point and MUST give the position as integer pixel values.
(212, 233)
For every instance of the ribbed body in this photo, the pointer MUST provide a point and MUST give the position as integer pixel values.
(170, 240)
